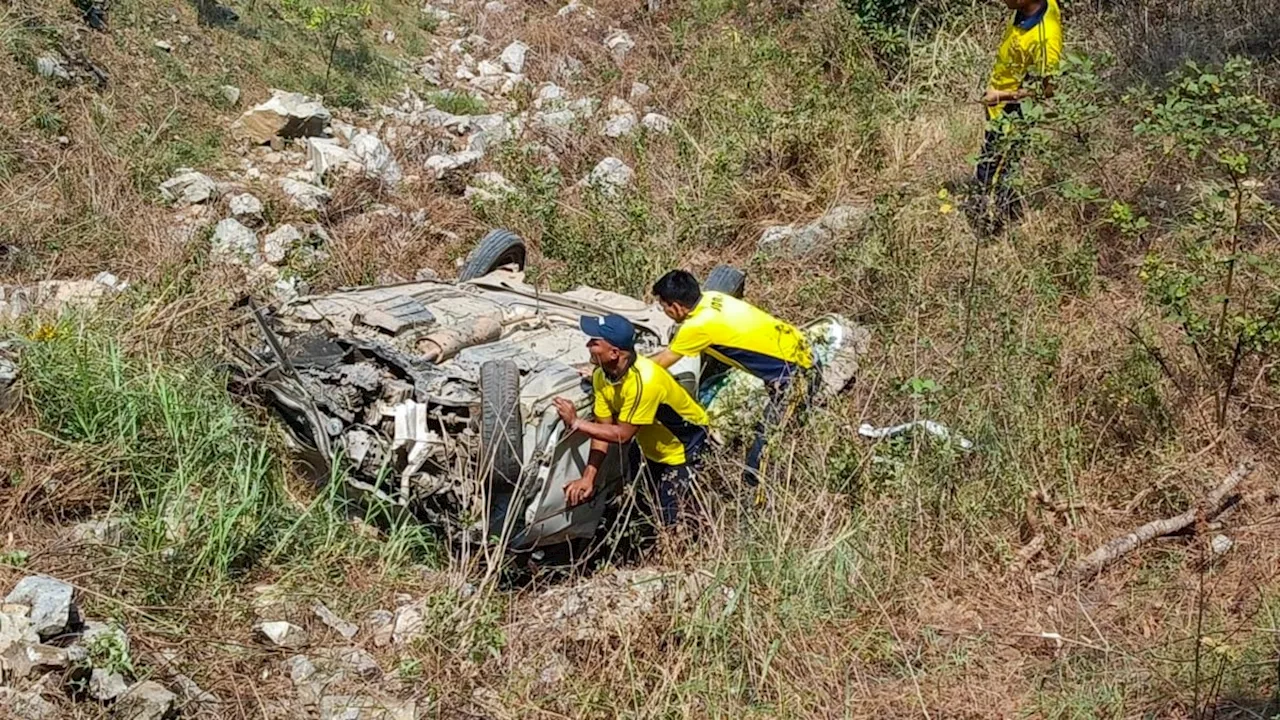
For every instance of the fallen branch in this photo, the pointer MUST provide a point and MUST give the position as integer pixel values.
(1212, 504)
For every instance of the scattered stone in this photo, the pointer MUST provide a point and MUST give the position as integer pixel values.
(340, 626)
(284, 634)
(285, 115)
(376, 159)
(436, 13)
(788, 240)
(193, 693)
(493, 129)
(105, 685)
(300, 669)
(50, 600)
(408, 624)
(576, 6)
(189, 187)
(27, 705)
(494, 7)
(567, 68)
(50, 296)
(1221, 544)
(288, 289)
(50, 66)
(231, 94)
(639, 93)
(619, 43)
(109, 531)
(164, 45)
(622, 119)
(304, 195)
(487, 186)
(109, 279)
(444, 165)
(277, 245)
(388, 37)
(147, 700)
(234, 244)
(549, 96)
(555, 122)
(381, 625)
(425, 275)
(359, 663)
(657, 123)
(15, 627)
(513, 55)
(584, 108)
(359, 707)
(326, 156)
(610, 176)
(246, 208)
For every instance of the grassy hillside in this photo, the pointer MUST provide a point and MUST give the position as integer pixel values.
(1112, 356)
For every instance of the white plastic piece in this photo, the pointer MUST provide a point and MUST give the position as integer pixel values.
(935, 429)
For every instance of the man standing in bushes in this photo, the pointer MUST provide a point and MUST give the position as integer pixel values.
(743, 336)
(635, 399)
(1030, 50)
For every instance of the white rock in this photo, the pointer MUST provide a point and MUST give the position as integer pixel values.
(286, 115)
(639, 93)
(381, 627)
(359, 663)
(549, 96)
(27, 705)
(495, 8)
(567, 68)
(487, 68)
(376, 159)
(576, 6)
(408, 624)
(284, 634)
(330, 618)
(327, 157)
(305, 195)
(619, 43)
(555, 120)
(109, 279)
(50, 66)
(792, 241)
(585, 108)
(488, 186)
(288, 289)
(50, 600)
(104, 531)
(1221, 544)
(231, 94)
(15, 627)
(437, 14)
(188, 187)
(388, 37)
(619, 126)
(512, 56)
(657, 123)
(246, 207)
(442, 165)
(277, 245)
(105, 685)
(164, 45)
(610, 175)
(300, 669)
(145, 701)
(234, 244)
(345, 132)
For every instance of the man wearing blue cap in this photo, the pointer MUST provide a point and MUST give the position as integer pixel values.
(635, 398)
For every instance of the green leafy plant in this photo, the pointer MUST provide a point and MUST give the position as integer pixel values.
(1215, 283)
(331, 21)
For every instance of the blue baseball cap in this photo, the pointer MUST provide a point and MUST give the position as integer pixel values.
(613, 329)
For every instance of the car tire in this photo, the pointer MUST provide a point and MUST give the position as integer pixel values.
(501, 432)
(498, 248)
(726, 279)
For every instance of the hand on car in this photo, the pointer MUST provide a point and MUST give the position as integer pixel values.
(992, 97)
(567, 412)
(579, 491)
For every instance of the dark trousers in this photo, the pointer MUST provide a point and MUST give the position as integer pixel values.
(664, 489)
(998, 162)
(789, 398)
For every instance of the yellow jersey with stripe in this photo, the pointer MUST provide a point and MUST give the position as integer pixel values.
(742, 336)
(1031, 44)
(671, 425)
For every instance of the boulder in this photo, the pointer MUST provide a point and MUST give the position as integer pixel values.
(656, 123)
(327, 156)
(284, 115)
(376, 159)
(189, 187)
(512, 56)
(105, 685)
(246, 208)
(619, 44)
(147, 700)
(50, 600)
(277, 245)
(610, 175)
(304, 195)
(284, 634)
(330, 618)
(234, 244)
(793, 241)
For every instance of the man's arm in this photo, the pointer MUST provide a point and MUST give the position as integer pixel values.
(581, 490)
(666, 358)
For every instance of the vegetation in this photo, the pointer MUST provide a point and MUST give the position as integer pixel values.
(1112, 355)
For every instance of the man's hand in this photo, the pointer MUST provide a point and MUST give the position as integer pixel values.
(993, 97)
(567, 412)
(579, 491)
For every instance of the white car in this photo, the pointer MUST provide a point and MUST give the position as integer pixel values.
(435, 397)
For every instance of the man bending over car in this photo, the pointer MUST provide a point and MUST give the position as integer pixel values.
(636, 399)
(743, 336)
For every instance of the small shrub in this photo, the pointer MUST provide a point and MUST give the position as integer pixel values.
(457, 103)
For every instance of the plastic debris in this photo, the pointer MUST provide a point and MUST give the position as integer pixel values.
(935, 429)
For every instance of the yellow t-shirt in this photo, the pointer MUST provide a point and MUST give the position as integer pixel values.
(1034, 44)
(743, 336)
(672, 426)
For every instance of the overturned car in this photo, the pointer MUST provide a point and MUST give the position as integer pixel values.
(436, 397)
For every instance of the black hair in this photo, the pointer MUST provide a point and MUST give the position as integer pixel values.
(678, 286)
